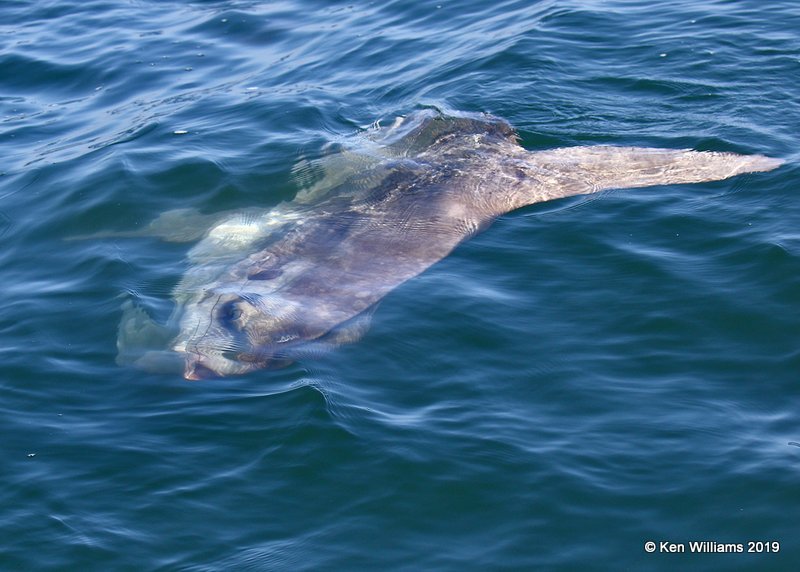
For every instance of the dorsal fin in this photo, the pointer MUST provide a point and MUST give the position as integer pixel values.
(569, 171)
(423, 129)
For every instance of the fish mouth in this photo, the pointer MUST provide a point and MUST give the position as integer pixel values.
(196, 371)
(217, 365)
(197, 368)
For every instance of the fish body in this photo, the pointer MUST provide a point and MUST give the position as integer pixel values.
(263, 284)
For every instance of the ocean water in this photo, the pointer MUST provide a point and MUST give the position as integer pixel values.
(587, 376)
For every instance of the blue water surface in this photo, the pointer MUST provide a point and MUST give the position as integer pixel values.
(585, 377)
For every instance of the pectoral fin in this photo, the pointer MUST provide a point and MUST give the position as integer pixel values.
(178, 225)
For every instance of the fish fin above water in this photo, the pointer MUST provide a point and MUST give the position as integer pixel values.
(572, 171)
(407, 136)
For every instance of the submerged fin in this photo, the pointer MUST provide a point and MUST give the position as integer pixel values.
(141, 342)
(350, 331)
(317, 177)
(178, 225)
(190, 225)
(572, 171)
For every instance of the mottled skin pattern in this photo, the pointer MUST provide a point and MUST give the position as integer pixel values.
(440, 181)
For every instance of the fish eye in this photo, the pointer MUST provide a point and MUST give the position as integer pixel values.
(230, 313)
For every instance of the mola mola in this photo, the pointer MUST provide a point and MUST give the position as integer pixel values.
(264, 284)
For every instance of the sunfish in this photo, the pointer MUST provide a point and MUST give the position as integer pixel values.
(264, 284)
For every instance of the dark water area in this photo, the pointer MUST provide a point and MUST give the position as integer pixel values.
(588, 375)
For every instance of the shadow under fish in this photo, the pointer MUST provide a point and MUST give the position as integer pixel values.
(265, 287)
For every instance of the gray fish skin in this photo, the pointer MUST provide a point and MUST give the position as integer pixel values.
(255, 301)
